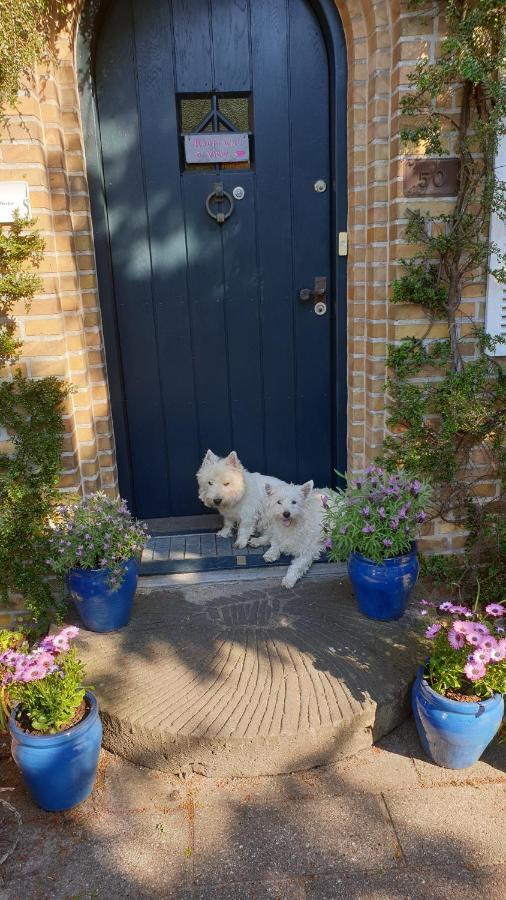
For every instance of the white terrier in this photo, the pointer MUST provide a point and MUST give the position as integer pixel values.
(294, 526)
(239, 495)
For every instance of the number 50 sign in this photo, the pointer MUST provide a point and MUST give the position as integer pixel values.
(431, 177)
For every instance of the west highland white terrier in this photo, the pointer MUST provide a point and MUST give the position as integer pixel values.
(238, 495)
(294, 514)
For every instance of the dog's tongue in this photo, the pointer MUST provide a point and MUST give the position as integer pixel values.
(287, 523)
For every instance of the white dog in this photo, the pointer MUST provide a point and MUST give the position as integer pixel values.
(239, 495)
(294, 526)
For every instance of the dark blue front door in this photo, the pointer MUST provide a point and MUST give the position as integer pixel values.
(216, 347)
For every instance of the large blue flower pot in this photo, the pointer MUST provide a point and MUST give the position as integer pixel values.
(100, 608)
(382, 589)
(454, 734)
(59, 770)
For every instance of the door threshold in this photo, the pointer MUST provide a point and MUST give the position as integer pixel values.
(184, 524)
(224, 576)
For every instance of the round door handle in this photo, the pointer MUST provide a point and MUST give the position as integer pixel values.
(305, 294)
(219, 196)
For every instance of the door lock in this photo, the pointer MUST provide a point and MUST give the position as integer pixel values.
(318, 295)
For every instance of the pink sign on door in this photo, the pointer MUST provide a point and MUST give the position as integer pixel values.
(216, 147)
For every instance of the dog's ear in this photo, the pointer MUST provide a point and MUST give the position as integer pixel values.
(233, 460)
(268, 489)
(307, 488)
(210, 457)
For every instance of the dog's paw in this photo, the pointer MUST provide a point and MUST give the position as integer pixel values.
(289, 581)
(240, 544)
(271, 556)
(224, 532)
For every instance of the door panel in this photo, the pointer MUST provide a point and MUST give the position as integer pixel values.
(217, 349)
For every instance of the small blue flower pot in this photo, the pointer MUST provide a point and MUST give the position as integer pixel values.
(382, 589)
(59, 770)
(454, 734)
(100, 608)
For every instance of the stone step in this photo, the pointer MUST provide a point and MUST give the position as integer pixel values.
(249, 679)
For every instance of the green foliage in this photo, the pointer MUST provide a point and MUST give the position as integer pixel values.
(378, 516)
(50, 703)
(19, 246)
(447, 397)
(30, 415)
(28, 29)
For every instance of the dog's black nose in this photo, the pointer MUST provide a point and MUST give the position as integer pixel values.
(286, 514)
(217, 501)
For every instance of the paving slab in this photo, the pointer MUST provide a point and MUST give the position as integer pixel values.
(458, 825)
(267, 841)
(245, 679)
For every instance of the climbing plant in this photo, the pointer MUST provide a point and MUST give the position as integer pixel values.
(28, 31)
(447, 396)
(32, 431)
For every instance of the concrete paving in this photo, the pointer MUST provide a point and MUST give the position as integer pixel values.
(249, 679)
(383, 825)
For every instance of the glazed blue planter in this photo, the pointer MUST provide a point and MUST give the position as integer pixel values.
(100, 608)
(59, 770)
(454, 734)
(382, 589)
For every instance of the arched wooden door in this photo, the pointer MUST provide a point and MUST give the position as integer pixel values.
(203, 112)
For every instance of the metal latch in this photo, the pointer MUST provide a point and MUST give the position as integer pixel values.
(342, 243)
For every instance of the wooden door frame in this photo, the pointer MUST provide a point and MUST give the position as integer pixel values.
(333, 33)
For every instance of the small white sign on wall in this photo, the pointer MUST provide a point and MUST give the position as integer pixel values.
(13, 195)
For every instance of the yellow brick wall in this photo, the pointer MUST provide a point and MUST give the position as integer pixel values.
(43, 145)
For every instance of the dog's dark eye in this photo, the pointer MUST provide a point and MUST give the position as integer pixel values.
(226, 483)
(294, 502)
(209, 482)
(279, 502)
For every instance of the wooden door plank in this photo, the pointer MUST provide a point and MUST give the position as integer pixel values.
(310, 161)
(129, 242)
(161, 163)
(193, 58)
(231, 46)
(269, 29)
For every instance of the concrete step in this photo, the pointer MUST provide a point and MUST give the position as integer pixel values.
(249, 678)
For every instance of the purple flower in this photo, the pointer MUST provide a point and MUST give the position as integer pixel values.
(473, 638)
(328, 544)
(499, 629)
(387, 542)
(421, 516)
(498, 653)
(474, 671)
(368, 529)
(480, 655)
(495, 609)
(416, 486)
(463, 627)
(432, 630)
(381, 512)
(394, 523)
(455, 640)
(446, 606)
(487, 643)
(424, 602)
(343, 529)
(324, 499)
(366, 510)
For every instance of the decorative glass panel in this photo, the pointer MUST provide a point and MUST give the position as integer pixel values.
(236, 110)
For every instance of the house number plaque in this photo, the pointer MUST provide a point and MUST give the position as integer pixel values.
(216, 147)
(431, 177)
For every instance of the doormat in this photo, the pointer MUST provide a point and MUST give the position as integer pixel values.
(181, 553)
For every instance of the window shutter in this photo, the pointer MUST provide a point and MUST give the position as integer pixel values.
(495, 318)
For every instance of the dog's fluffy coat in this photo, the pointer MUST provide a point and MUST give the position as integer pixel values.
(239, 495)
(294, 526)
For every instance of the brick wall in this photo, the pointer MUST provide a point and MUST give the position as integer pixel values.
(43, 145)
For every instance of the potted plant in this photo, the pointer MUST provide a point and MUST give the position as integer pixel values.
(457, 697)
(373, 524)
(96, 544)
(54, 725)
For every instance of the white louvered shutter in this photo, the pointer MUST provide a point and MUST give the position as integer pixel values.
(495, 318)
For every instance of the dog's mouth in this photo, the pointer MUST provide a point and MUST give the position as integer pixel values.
(287, 522)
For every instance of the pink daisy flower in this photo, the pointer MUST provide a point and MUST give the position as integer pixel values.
(495, 609)
(446, 606)
(480, 655)
(456, 640)
(432, 630)
(496, 654)
(461, 627)
(501, 648)
(481, 628)
(487, 643)
(474, 638)
(474, 671)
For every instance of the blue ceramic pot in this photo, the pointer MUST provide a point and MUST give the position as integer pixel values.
(454, 734)
(382, 589)
(100, 608)
(59, 770)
